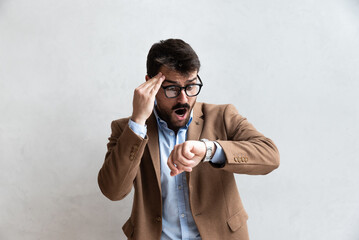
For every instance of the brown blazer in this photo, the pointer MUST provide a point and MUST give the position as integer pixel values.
(214, 199)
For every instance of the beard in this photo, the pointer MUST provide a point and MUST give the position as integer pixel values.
(176, 117)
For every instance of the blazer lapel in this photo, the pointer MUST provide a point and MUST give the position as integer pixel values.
(152, 133)
(194, 133)
(196, 126)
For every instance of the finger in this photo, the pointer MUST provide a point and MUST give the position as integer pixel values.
(178, 163)
(182, 163)
(175, 174)
(179, 157)
(182, 167)
(151, 82)
(172, 167)
(153, 87)
(158, 84)
(176, 166)
(187, 150)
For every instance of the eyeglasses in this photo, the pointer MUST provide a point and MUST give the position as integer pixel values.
(191, 90)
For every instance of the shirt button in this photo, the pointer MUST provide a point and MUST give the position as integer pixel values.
(179, 187)
(182, 215)
(171, 133)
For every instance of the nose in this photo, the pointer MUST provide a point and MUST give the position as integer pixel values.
(182, 97)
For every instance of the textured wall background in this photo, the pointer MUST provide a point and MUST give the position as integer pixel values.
(67, 68)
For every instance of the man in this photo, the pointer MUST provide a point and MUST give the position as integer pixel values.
(180, 155)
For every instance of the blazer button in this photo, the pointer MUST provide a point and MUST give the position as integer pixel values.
(158, 219)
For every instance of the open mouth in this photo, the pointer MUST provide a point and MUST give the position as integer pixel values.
(181, 111)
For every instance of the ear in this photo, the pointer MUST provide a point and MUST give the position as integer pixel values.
(147, 78)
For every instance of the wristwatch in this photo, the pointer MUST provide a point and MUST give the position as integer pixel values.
(209, 150)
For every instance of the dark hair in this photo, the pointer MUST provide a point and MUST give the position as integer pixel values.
(174, 54)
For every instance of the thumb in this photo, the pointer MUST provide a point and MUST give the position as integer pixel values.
(188, 153)
(187, 150)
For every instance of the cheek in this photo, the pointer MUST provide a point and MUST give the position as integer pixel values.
(192, 101)
(160, 99)
(164, 103)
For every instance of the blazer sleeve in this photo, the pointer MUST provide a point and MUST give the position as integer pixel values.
(122, 160)
(247, 150)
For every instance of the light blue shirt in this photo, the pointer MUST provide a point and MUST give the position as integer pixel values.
(177, 220)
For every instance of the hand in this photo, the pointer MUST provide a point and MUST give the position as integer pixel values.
(186, 156)
(144, 98)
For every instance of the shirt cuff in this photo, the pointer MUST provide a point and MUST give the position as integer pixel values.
(219, 157)
(140, 130)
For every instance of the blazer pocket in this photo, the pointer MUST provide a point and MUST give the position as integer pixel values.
(236, 221)
(128, 229)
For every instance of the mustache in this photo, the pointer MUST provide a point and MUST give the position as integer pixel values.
(179, 105)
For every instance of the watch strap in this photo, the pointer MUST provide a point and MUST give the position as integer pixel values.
(209, 150)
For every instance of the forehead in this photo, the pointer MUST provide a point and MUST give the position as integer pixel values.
(176, 77)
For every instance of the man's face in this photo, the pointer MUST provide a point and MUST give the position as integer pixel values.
(175, 111)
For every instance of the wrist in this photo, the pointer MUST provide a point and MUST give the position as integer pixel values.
(138, 120)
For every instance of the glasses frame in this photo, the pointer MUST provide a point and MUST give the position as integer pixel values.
(200, 85)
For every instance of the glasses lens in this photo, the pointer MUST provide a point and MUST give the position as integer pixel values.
(192, 90)
(172, 91)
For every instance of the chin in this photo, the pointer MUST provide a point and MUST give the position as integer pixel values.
(178, 125)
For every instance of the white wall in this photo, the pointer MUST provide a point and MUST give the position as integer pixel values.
(67, 68)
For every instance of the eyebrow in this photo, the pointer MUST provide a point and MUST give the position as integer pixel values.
(171, 81)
